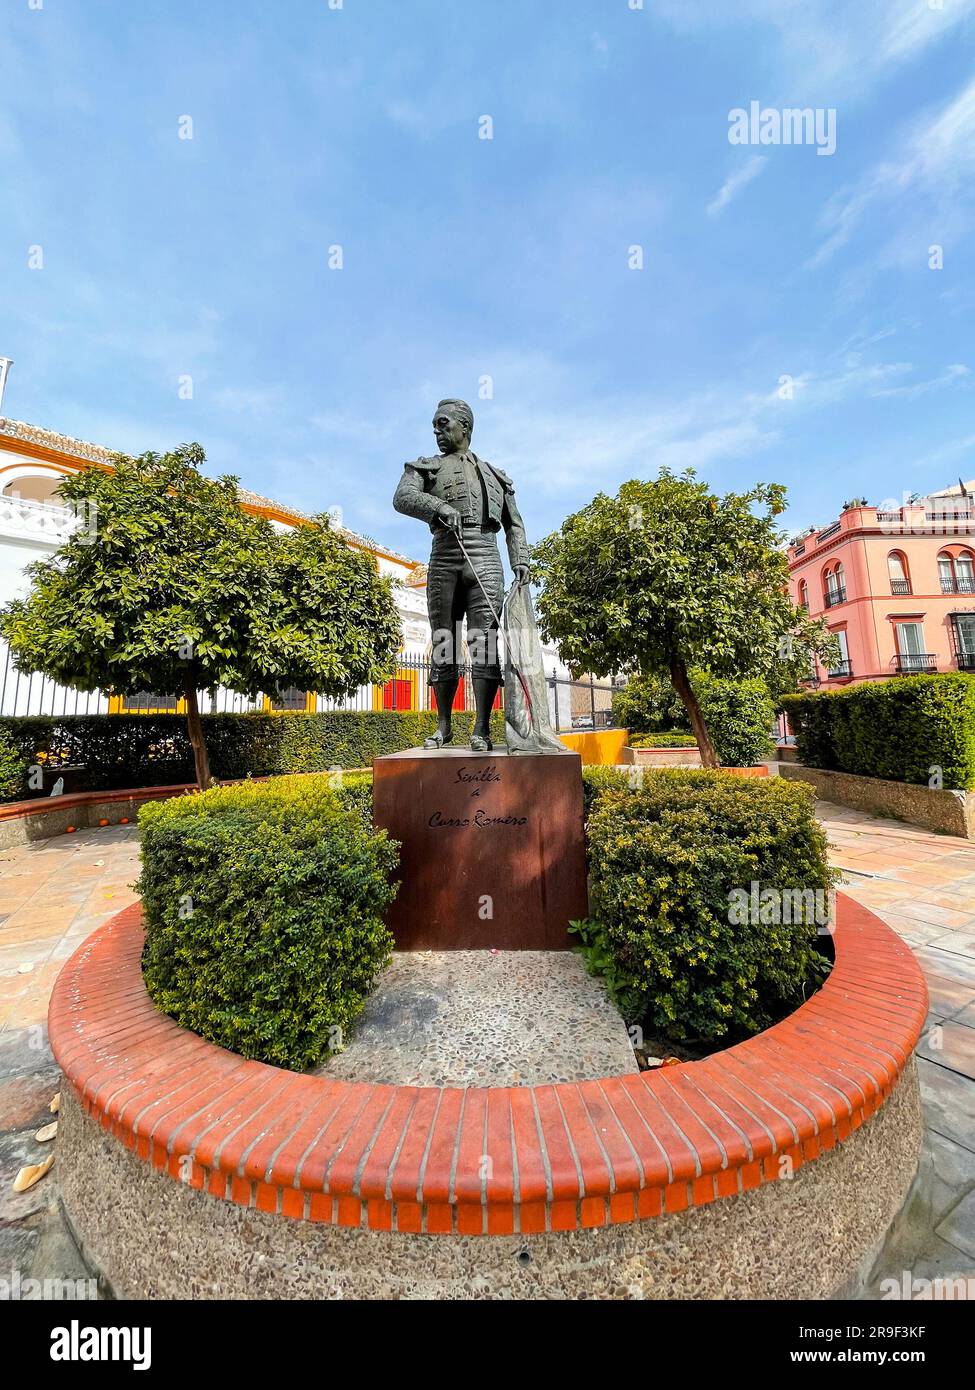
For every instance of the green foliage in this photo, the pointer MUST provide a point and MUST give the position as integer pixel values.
(910, 729)
(13, 768)
(180, 590)
(647, 704)
(264, 912)
(739, 715)
(597, 779)
(669, 568)
(108, 752)
(664, 858)
(663, 741)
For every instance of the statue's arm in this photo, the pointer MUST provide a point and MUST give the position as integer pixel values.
(514, 531)
(412, 499)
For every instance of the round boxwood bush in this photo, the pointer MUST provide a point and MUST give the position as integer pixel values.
(675, 863)
(264, 912)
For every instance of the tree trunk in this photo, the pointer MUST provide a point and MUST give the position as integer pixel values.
(195, 727)
(682, 684)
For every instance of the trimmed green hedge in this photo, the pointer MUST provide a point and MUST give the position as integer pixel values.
(663, 741)
(263, 908)
(109, 751)
(918, 729)
(739, 715)
(673, 860)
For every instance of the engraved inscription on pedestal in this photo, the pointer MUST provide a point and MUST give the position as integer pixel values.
(492, 853)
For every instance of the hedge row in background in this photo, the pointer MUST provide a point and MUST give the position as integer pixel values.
(663, 741)
(739, 715)
(917, 729)
(667, 852)
(104, 752)
(263, 908)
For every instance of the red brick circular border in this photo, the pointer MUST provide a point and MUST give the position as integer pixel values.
(493, 1160)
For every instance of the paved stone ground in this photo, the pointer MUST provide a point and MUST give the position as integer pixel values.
(923, 885)
(53, 893)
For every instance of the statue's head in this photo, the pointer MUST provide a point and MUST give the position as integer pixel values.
(453, 425)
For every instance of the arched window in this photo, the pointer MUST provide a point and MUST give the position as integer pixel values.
(946, 573)
(803, 594)
(897, 569)
(835, 590)
(957, 572)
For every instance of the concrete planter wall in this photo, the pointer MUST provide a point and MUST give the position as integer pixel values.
(951, 812)
(770, 1170)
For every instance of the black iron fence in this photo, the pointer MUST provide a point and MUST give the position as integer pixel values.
(578, 705)
(573, 704)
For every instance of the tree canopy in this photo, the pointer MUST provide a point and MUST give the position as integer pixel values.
(172, 587)
(667, 575)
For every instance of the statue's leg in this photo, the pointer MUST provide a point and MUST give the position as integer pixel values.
(485, 690)
(482, 635)
(442, 599)
(444, 691)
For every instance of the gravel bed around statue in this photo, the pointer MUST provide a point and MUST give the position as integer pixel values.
(484, 1018)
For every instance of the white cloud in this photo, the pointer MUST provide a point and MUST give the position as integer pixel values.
(735, 182)
(936, 170)
(842, 45)
(956, 374)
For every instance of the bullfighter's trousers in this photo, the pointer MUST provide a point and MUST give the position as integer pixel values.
(454, 594)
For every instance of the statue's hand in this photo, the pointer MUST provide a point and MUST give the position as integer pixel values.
(450, 517)
(522, 575)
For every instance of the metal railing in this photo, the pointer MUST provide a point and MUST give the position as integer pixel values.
(900, 586)
(966, 661)
(834, 596)
(961, 584)
(842, 670)
(573, 704)
(577, 705)
(912, 663)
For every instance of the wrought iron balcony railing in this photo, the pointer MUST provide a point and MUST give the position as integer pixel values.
(961, 584)
(900, 586)
(834, 596)
(841, 671)
(966, 661)
(912, 663)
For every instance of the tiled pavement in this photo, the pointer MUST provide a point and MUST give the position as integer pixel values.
(923, 885)
(53, 893)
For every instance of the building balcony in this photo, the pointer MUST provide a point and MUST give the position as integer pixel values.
(843, 670)
(45, 523)
(915, 663)
(834, 596)
(966, 661)
(900, 586)
(961, 584)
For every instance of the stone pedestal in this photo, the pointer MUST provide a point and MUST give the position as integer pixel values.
(493, 853)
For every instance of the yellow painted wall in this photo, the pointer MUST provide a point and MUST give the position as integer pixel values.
(599, 746)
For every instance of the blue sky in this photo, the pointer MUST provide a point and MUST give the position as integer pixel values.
(507, 259)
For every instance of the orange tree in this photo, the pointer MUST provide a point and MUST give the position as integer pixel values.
(667, 576)
(173, 587)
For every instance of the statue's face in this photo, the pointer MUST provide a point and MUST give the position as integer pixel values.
(451, 432)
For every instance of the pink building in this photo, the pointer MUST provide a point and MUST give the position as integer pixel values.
(897, 587)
